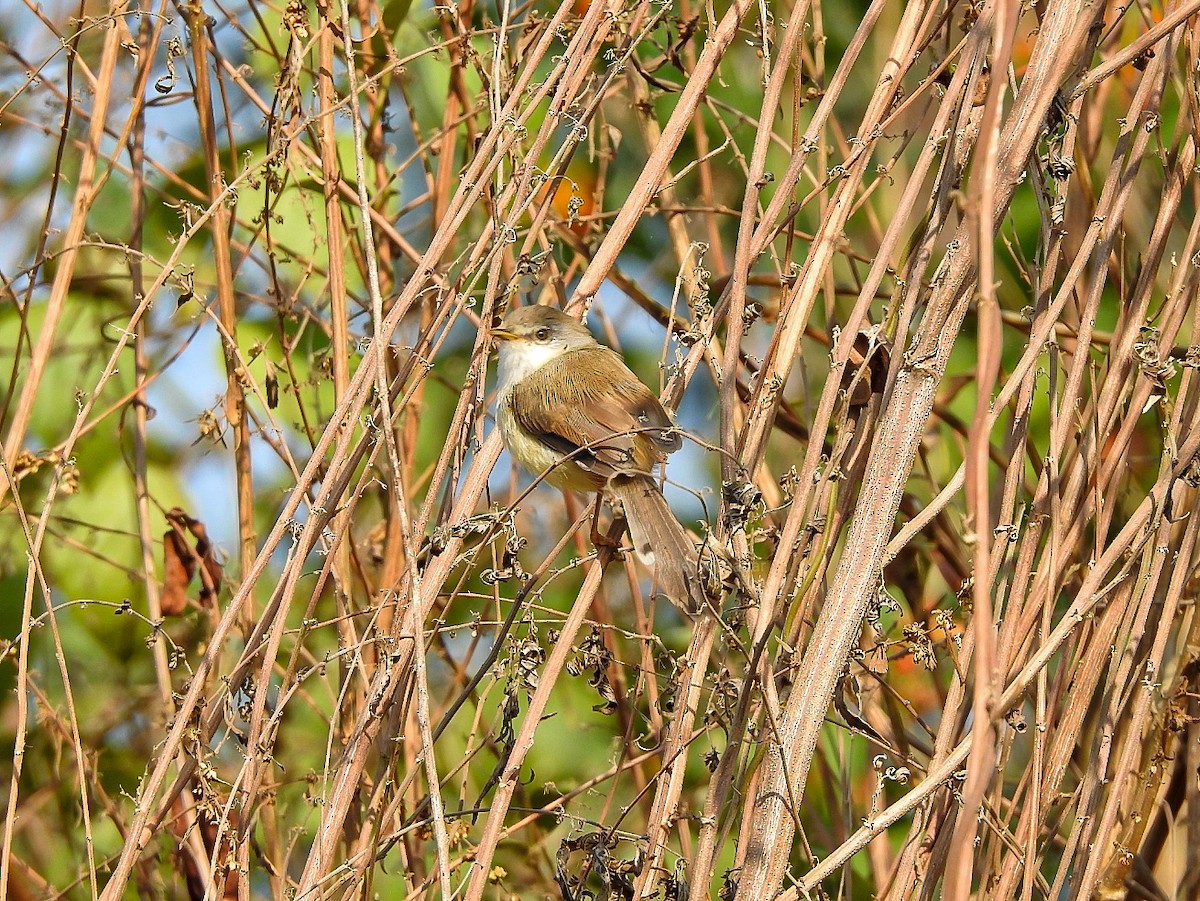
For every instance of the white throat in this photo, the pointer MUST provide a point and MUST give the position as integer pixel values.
(519, 358)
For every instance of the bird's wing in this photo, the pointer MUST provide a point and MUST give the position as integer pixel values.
(588, 403)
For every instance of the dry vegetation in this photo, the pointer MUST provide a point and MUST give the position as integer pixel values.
(923, 276)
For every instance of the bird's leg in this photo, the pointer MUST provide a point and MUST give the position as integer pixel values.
(600, 540)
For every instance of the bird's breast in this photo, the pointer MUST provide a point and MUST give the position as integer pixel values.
(535, 456)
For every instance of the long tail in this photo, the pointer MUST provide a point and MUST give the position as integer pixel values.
(660, 541)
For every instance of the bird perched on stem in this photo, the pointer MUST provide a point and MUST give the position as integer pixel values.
(570, 407)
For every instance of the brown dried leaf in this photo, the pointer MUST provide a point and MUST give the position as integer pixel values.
(179, 565)
(211, 573)
(195, 872)
(871, 353)
(272, 386)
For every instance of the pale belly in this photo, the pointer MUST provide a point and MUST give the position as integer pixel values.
(536, 457)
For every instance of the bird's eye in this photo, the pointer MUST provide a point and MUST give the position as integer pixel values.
(542, 334)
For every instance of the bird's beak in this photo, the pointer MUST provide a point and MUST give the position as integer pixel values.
(503, 334)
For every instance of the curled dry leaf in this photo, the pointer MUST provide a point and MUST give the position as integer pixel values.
(195, 872)
(179, 563)
(867, 369)
(272, 386)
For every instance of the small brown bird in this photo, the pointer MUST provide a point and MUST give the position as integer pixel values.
(570, 407)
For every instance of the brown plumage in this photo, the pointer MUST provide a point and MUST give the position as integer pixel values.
(571, 406)
(599, 406)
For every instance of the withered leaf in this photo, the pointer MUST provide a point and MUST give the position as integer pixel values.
(873, 354)
(207, 825)
(211, 572)
(179, 565)
(272, 386)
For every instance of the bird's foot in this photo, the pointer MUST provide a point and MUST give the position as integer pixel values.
(608, 545)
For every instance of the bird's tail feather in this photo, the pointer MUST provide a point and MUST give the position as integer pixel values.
(660, 541)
